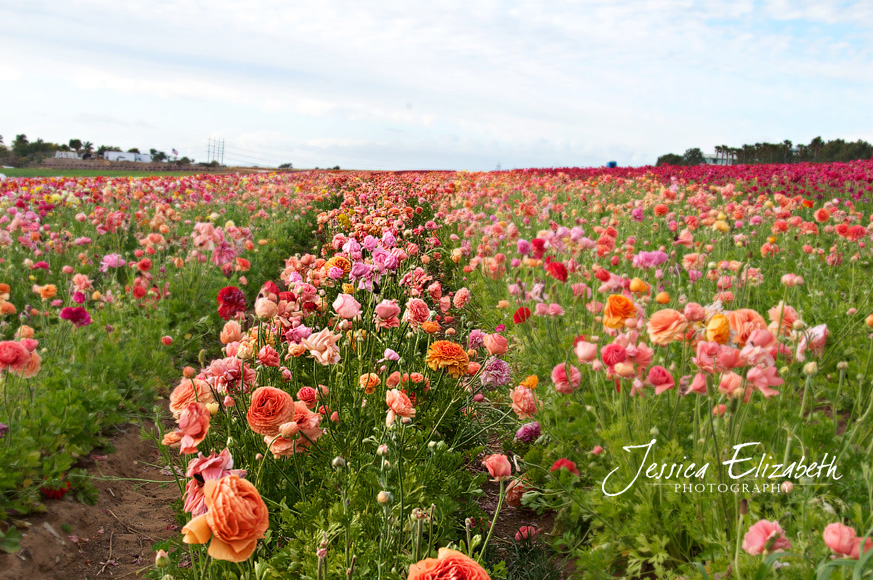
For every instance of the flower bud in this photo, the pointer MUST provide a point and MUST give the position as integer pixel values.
(289, 430)
(382, 450)
(385, 498)
(810, 368)
(338, 462)
(212, 408)
(744, 506)
(842, 365)
(162, 560)
(786, 487)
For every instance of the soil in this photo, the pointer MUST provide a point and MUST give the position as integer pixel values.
(114, 537)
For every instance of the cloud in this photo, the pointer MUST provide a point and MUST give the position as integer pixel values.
(519, 82)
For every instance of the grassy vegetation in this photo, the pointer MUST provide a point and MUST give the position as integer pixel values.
(60, 172)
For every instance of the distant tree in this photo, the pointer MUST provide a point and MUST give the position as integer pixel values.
(670, 159)
(815, 146)
(157, 156)
(184, 161)
(286, 166)
(133, 150)
(19, 146)
(693, 157)
(75, 144)
(88, 146)
(104, 148)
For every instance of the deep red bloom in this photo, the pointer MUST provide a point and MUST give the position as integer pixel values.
(539, 247)
(557, 270)
(77, 315)
(231, 300)
(521, 315)
(602, 275)
(571, 467)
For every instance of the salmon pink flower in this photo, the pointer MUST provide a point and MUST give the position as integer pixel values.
(564, 463)
(765, 536)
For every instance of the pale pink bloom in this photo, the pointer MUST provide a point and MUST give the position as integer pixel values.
(322, 347)
(346, 306)
(813, 339)
(698, 384)
(585, 351)
(555, 310)
(764, 378)
(566, 378)
(730, 382)
(840, 538)
(694, 312)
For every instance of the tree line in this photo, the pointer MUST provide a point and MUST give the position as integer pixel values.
(21, 151)
(817, 151)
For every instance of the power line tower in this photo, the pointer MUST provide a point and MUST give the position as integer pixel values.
(215, 150)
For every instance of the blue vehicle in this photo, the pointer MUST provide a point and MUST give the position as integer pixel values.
(612, 164)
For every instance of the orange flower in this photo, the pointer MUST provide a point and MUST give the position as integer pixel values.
(718, 329)
(269, 409)
(618, 309)
(236, 519)
(666, 325)
(524, 402)
(399, 405)
(745, 321)
(46, 292)
(430, 327)
(189, 391)
(448, 564)
(448, 356)
(369, 382)
(531, 382)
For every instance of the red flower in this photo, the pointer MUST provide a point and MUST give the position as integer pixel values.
(539, 247)
(521, 315)
(557, 270)
(231, 300)
(602, 275)
(571, 467)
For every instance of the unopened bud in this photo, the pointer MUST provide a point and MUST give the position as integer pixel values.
(842, 365)
(162, 560)
(786, 487)
(810, 368)
(385, 498)
(382, 450)
(338, 462)
(744, 506)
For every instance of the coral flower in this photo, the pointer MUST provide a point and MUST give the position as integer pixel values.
(399, 405)
(193, 427)
(235, 520)
(564, 463)
(666, 325)
(617, 310)
(449, 564)
(743, 322)
(201, 469)
(498, 466)
(13, 355)
(524, 402)
(189, 391)
(765, 536)
(269, 409)
(448, 356)
(566, 378)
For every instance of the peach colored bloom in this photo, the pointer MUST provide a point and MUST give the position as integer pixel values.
(193, 427)
(399, 405)
(524, 402)
(618, 309)
(495, 344)
(369, 382)
(189, 391)
(782, 318)
(268, 409)
(201, 469)
(232, 332)
(31, 368)
(307, 431)
(743, 322)
(448, 565)
(265, 308)
(498, 466)
(666, 325)
(322, 347)
(416, 312)
(235, 520)
(461, 298)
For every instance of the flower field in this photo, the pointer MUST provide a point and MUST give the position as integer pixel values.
(668, 368)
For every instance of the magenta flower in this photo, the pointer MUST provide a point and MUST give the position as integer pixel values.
(77, 315)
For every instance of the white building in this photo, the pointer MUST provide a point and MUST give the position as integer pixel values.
(66, 155)
(125, 156)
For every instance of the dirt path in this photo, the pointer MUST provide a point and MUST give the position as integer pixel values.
(112, 539)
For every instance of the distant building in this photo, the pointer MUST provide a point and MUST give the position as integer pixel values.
(716, 159)
(66, 155)
(125, 156)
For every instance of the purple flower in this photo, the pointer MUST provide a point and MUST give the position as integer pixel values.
(476, 339)
(496, 373)
(3, 429)
(78, 316)
(391, 355)
(528, 432)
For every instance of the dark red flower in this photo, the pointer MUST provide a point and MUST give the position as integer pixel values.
(77, 315)
(231, 300)
(521, 315)
(557, 270)
(566, 463)
(539, 247)
(602, 275)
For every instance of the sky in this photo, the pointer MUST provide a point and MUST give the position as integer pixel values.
(436, 84)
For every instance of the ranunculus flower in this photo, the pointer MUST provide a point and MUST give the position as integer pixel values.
(235, 520)
(13, 355)
(231, 301)
(323, 347)
(718, 329)
(77, 315)
(268, 356)
(841, 538)
(566, 378)
(448, 565)
(232, 332)
(399, 405)
(666, 325)
(618, 309)
(524, 402)
(564, 463)
(612, 354)
(269, 408)
(189, 391)
(661, 379)
(765, 536)
(193, 427)
(521, 315)
(585, 351)
(495, 344)
(416, 312)
(346, 306)
(265, 308)
(448, 356)
(498, 466)
(201, 469)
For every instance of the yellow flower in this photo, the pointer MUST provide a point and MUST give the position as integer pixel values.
(531, 382)
(718, 329)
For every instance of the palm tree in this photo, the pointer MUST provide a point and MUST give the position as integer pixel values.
(88, 146)
(815, 146)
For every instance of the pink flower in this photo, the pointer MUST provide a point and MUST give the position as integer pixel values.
(346, 306)
(495, 344)
(462, 297)
(322, 347)
(498, 466)
(585, 351)
(524, 402)
(399, 405)
(841, 539)
(597, 450)
(612, 354)
(268, 356)
(566, 378)
(661, 379)
(765, 536)
(202, 469)
(193, 427)
(555, 310)
(694, 312)
(764, 378)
